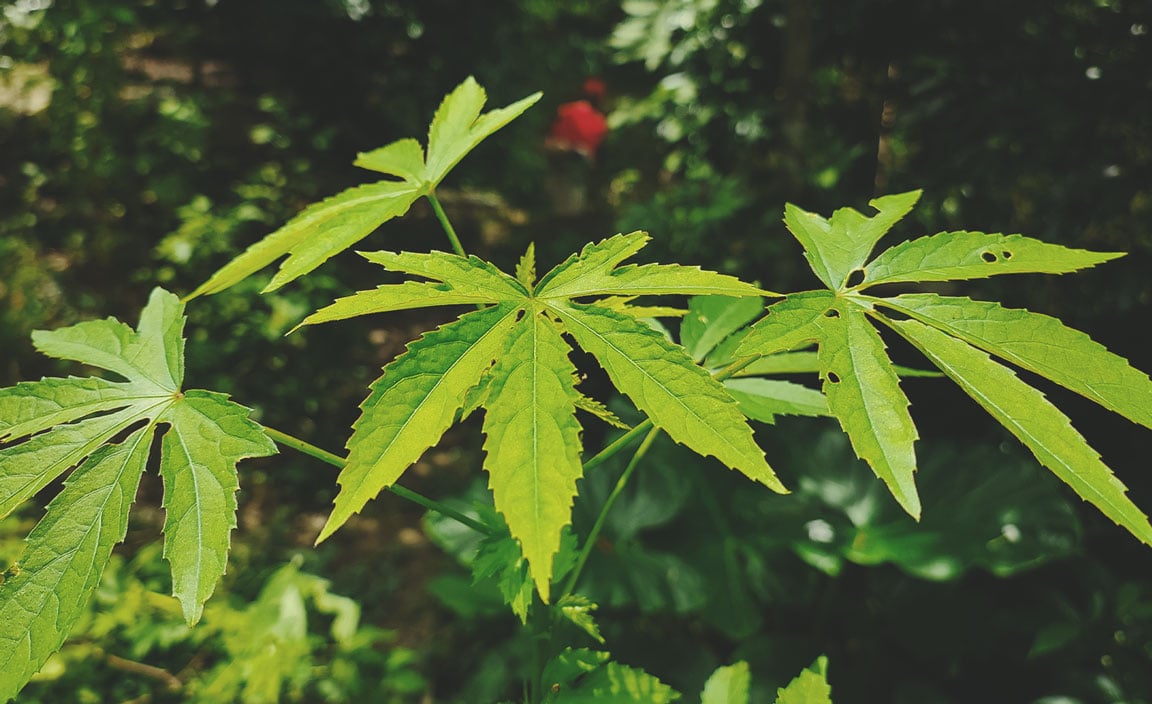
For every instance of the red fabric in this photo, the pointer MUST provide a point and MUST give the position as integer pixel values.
(578, 127)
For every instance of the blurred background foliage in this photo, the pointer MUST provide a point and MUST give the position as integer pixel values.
(144, 142)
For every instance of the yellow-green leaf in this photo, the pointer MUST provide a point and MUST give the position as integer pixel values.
(1028, 415)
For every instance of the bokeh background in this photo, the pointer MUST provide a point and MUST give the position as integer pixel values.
(144, 142)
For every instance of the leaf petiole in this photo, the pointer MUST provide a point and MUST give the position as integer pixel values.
(446, 224)
(336, 461)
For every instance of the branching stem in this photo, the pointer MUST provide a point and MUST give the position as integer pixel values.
(336, 461)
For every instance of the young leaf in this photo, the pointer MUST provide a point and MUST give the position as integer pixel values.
(207, 435)
(578, 610)
(1030, 417)
(809, 687)
(971, 255)
(728, 685)
(533, 440)
(1040, 344)
(329, 227)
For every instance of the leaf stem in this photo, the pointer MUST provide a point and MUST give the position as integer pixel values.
(336, 461)
(618, 444)
(446, 224)
(594, 534)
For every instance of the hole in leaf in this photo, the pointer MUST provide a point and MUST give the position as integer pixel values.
(833, 378)
(988, 257)
(831, 313)
(1006, 254)
(520, 315)
(855, 278)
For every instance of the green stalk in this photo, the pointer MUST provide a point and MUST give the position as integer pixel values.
(446, 224)
(336, 461)
(600, 519)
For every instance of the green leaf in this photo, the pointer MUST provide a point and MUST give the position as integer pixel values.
(325, 229)
(809, 687)
(403, 158)
(594, 272)
(710, 319)
(533, 440)
(61, 423)
(728, 685)
(864, 394)
(526, 267)
(578, 610)
(464, 274)
(764, 399)
(595, 408)
(499, 557)
(1028, 415)
(680, 397)
(208, 435)
(458, 126)
(413, 403)
(66, 554)
(318, 233)
(1040, 344)
(579, 676)
(791, 323)
(835, 248)
(971, 255)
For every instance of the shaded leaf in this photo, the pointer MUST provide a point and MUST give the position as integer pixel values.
(578, 610)
(578, 676)
(710, 319)
(764, 399)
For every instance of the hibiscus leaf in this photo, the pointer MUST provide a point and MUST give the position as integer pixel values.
(413, 403)
(1040, 344)
(1028, 415)
(791, 323)
(710, 319)
(835, 248)
(809, 687)
(728, 685)
(764, 399)
(864, 394)
(971, 255)
(66, 554)
(533, 440)
(62, 423)
(681, 398)
(327, 228)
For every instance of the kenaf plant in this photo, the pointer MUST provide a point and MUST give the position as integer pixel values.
(510, 358)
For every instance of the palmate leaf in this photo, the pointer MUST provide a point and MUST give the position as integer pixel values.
(511, 359)
(329, 227)
(957, 335)
(55, 424)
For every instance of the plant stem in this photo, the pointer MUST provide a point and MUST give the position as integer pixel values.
(617, 445)
(336, 461)
(446, 224)
(594, 534)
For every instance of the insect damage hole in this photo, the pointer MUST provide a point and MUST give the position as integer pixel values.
(989, 257)
(855, 278)
(833, 378)
(1006, 254)
(831, 313)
